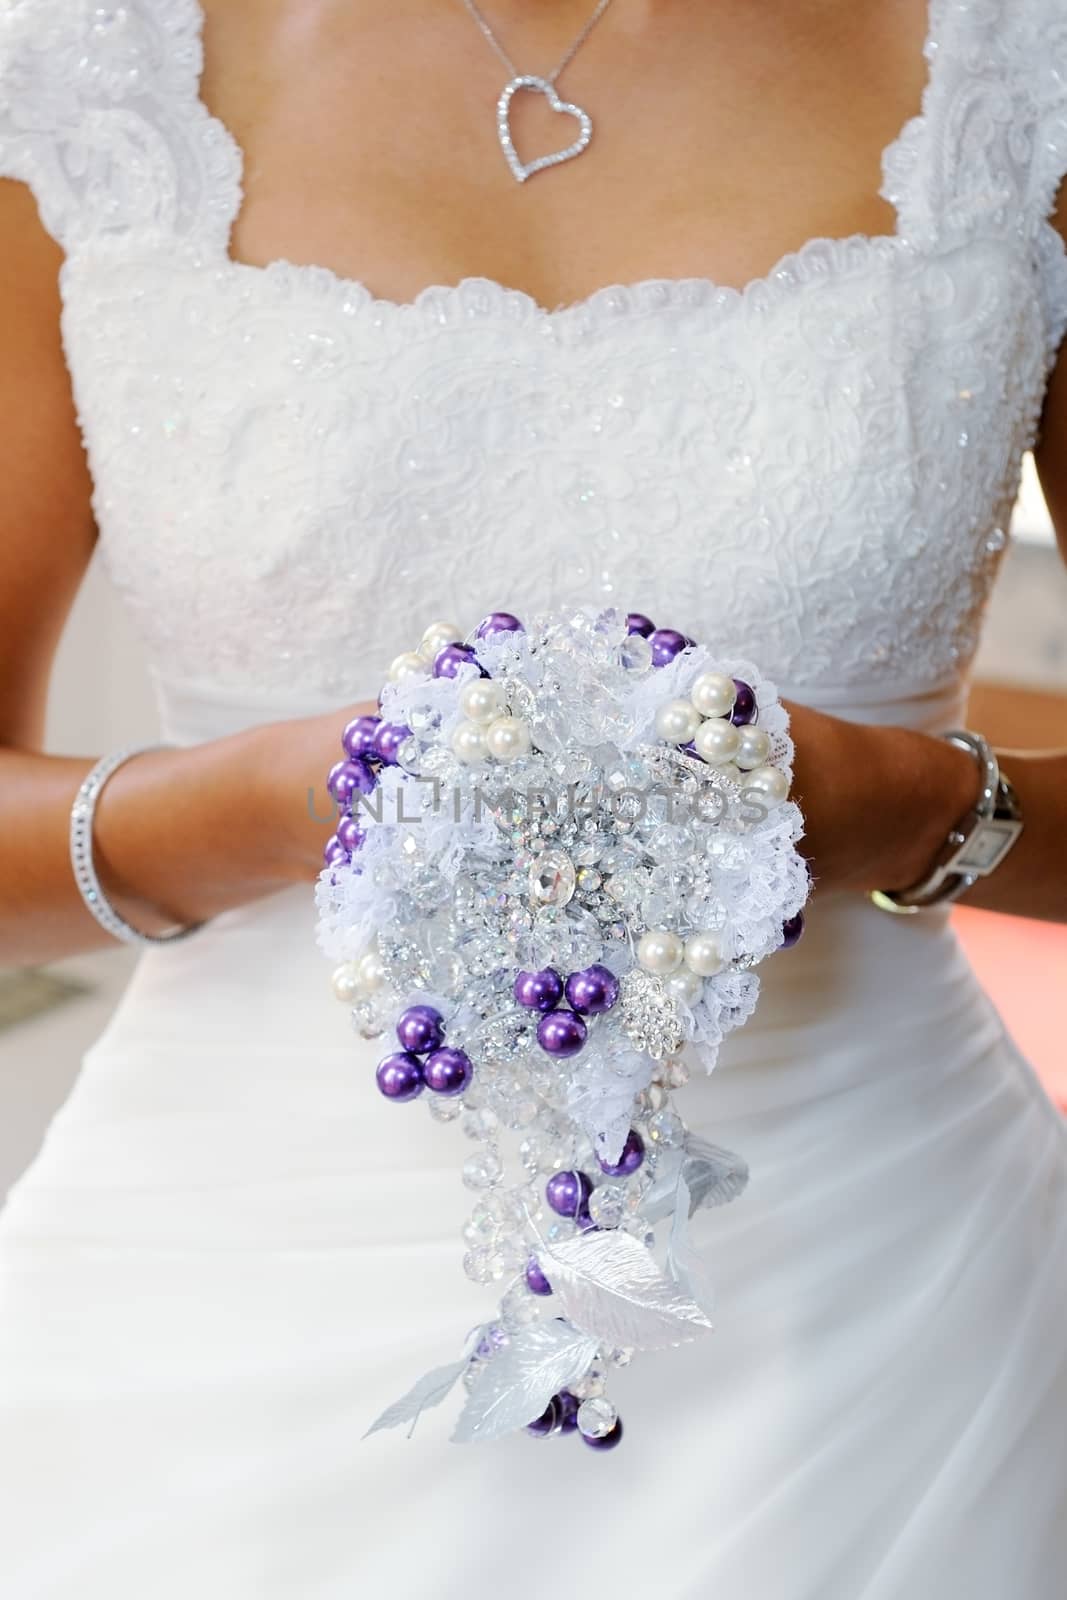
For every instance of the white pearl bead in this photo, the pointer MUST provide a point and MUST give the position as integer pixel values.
(404, 667)
(717, 741)
(713, 694)
(660, 951)
(437, 635)
(677, 721)
(507, 739)
(481, 700)
(371, 970)
(655, 1097)
(769, 782)
(468, 742)
(703, 954)
(346, 982)
(731, 771)
(754, 748)
(686, 985)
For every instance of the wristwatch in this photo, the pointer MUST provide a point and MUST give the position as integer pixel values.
(977, 844)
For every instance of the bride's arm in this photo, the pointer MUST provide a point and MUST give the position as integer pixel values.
(181, 835)
(1032, 879)
(879, 802)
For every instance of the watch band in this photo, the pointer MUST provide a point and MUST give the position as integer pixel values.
(976, 845)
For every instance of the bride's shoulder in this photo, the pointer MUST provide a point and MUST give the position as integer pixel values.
(99, 111)
(85, 51)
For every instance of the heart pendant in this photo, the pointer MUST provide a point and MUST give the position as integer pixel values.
(523, 170)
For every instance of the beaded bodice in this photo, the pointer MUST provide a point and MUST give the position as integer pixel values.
(291, 476)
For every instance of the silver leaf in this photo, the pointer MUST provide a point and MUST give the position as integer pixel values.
(430, 1390)
(609, 1284)
(683, 1263)
(517, 1383)
(714, 1176)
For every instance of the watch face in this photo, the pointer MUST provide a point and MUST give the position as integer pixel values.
(987, 847)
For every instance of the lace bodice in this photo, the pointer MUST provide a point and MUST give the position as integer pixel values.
(291, 476)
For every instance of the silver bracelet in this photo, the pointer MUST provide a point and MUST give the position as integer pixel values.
(975, 846)
(81, 853)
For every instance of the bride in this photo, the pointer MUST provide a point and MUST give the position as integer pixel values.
(290, 330)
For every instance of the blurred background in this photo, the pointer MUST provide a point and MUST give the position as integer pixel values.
(101, 698)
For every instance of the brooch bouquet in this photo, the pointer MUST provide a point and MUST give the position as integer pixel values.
(565, 845)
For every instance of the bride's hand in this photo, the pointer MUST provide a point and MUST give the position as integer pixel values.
(878, 803)
(293, 761)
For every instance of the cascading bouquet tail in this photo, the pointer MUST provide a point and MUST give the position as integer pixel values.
(563, 847)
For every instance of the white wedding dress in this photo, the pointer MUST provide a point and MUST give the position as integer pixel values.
(232, 1252)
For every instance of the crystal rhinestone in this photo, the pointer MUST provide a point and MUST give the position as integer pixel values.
(591, 1385)
(596, 1417)
(607, 1205)
(635, 653)
(482, 1170)
(479, 1125)
(476, 1266)
(666, 1128)
(442, 1109)
(552, 879)
(481, 1226)
(519, 1308)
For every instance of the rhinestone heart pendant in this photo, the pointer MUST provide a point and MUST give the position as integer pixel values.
(526, 169)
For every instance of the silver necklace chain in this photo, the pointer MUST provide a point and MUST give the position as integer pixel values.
(522, 82)
(549, 77)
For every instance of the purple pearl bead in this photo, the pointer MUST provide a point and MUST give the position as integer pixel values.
(584, 1218)
(548, 1422)
(637, 622)
(365, 775)
(744, 710)
(666, 644)
(561, 1033)
(350, 834)
(334, 853)
(399, 1076)
(536, 1281)
(420, 1028)
(498, 622)
(448, 1071)
(792, 928)
(609, 1441)
(358, 737)
(593, 990)
(566, 1192)
(568, 1411)
(448, 661)
(630, 1157)
(338, 786)
(350, 777)
(388, 739)
(539, 991)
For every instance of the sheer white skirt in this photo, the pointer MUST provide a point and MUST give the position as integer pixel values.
(232, 1253)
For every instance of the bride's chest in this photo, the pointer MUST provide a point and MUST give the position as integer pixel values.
(276, 454)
